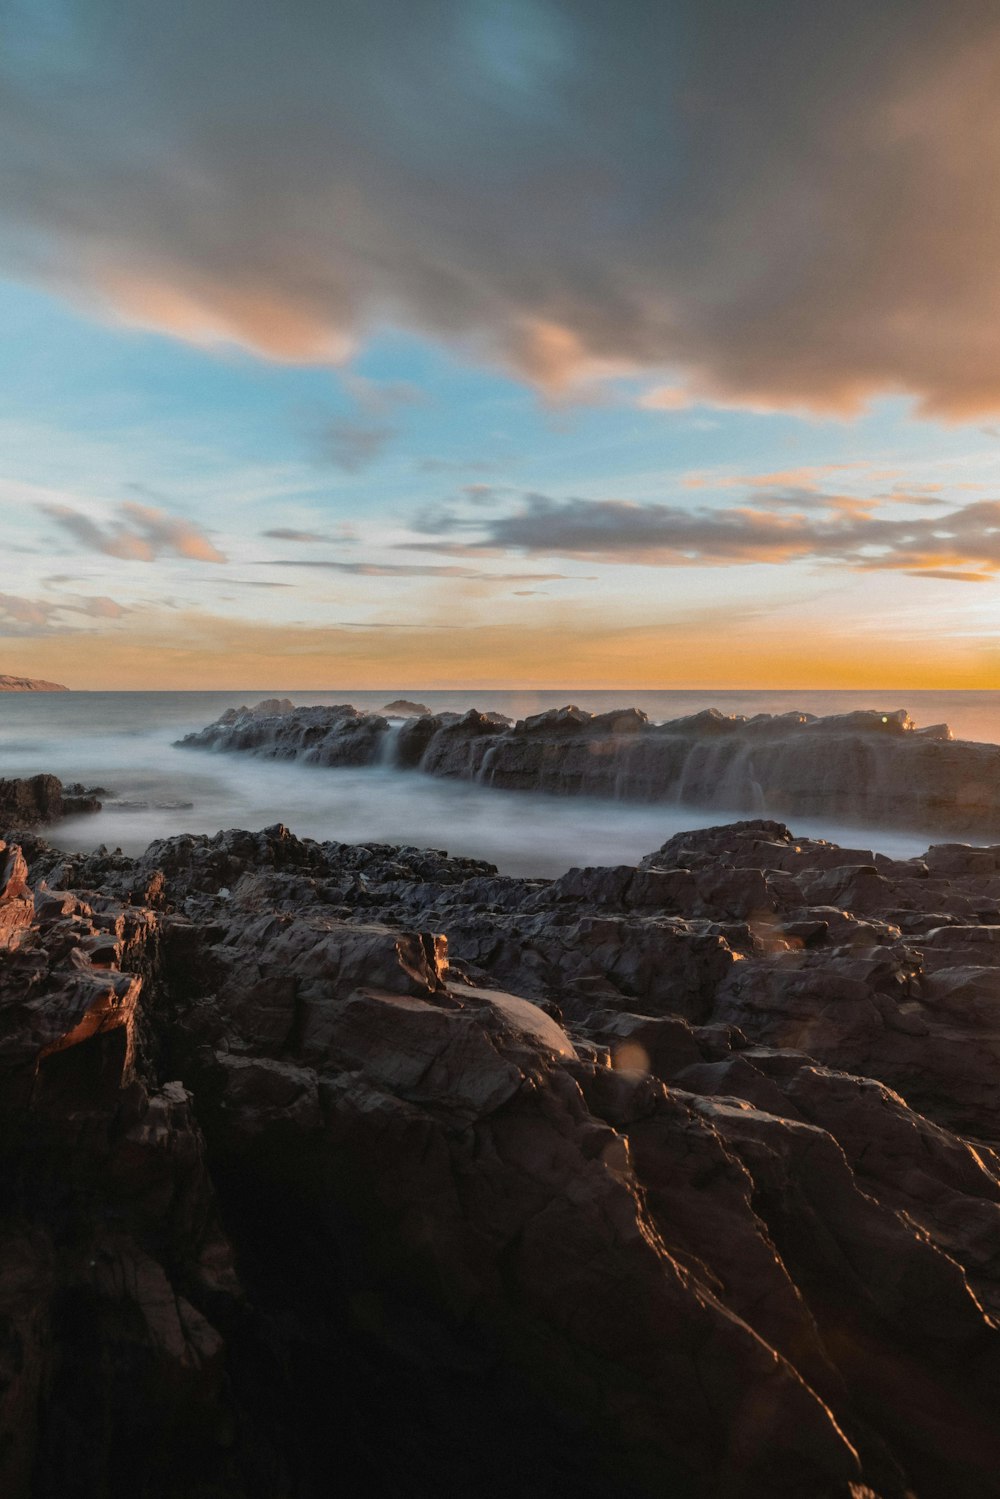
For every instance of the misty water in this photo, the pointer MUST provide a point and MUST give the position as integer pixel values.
(126, 743)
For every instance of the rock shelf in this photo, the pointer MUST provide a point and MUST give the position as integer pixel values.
(876, 769)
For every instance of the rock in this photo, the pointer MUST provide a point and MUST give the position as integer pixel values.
(269, 707)
(33, 800)
(673, 1180)
(340, 735)
(401, 707)
(864, 766)
(17, 903)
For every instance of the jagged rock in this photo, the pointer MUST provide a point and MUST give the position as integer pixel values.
(269, 707)
(678, 1180)
(17, 903)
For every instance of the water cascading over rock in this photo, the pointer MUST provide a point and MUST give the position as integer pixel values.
(877, 768)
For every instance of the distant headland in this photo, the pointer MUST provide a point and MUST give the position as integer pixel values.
(29, 684)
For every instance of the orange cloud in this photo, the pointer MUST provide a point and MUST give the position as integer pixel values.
(141, 533)
(558, 359)
(212, 312)
(665, 398)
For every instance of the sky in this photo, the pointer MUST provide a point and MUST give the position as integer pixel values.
(436, 343)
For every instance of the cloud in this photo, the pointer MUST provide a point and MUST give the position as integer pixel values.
(96, 607)
(962, 543)
(357, 441)
(457, 466)
(806, 477)
(140, 533)
(379, 397)
(782, 205)
(417, 570)
(665, 398)
(285, 533)
(354, 445)
(34, 617)
(21, 611)
(951, 575)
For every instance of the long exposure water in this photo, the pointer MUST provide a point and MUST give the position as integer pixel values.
(124, 741)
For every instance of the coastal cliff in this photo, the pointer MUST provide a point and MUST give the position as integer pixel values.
(864, 767)
(362, 1162)
(29, 684)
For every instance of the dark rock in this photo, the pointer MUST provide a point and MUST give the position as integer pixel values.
(34, 800)
(401, 707)
(864, 766)
(670, 1181)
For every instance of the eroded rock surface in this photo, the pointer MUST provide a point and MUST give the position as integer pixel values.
(875, 768)
(353, 1168)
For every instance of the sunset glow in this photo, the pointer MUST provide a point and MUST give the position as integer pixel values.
(301, 394)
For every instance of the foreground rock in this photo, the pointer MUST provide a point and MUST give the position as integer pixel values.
(357, 1168)
(872, 768)
(29, 684)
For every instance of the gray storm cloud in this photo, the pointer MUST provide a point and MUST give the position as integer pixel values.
(783, 203)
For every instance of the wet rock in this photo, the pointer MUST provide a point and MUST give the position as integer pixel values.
(865, 766)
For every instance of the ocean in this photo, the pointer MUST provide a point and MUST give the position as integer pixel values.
(124, 741)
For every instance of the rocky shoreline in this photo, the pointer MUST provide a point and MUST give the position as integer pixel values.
(351, 1166)
(864, 768)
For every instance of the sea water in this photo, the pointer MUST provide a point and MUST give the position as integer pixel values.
(125, 742)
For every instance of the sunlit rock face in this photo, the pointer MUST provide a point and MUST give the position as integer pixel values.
(351, 1168)
(877, 768)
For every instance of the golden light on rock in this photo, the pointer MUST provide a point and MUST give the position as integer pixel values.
(630, 1057)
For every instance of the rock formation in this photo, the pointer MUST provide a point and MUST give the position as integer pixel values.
(29, 684)
(352, 1168)
(27, 802)
(401, 707)
(875, 768)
